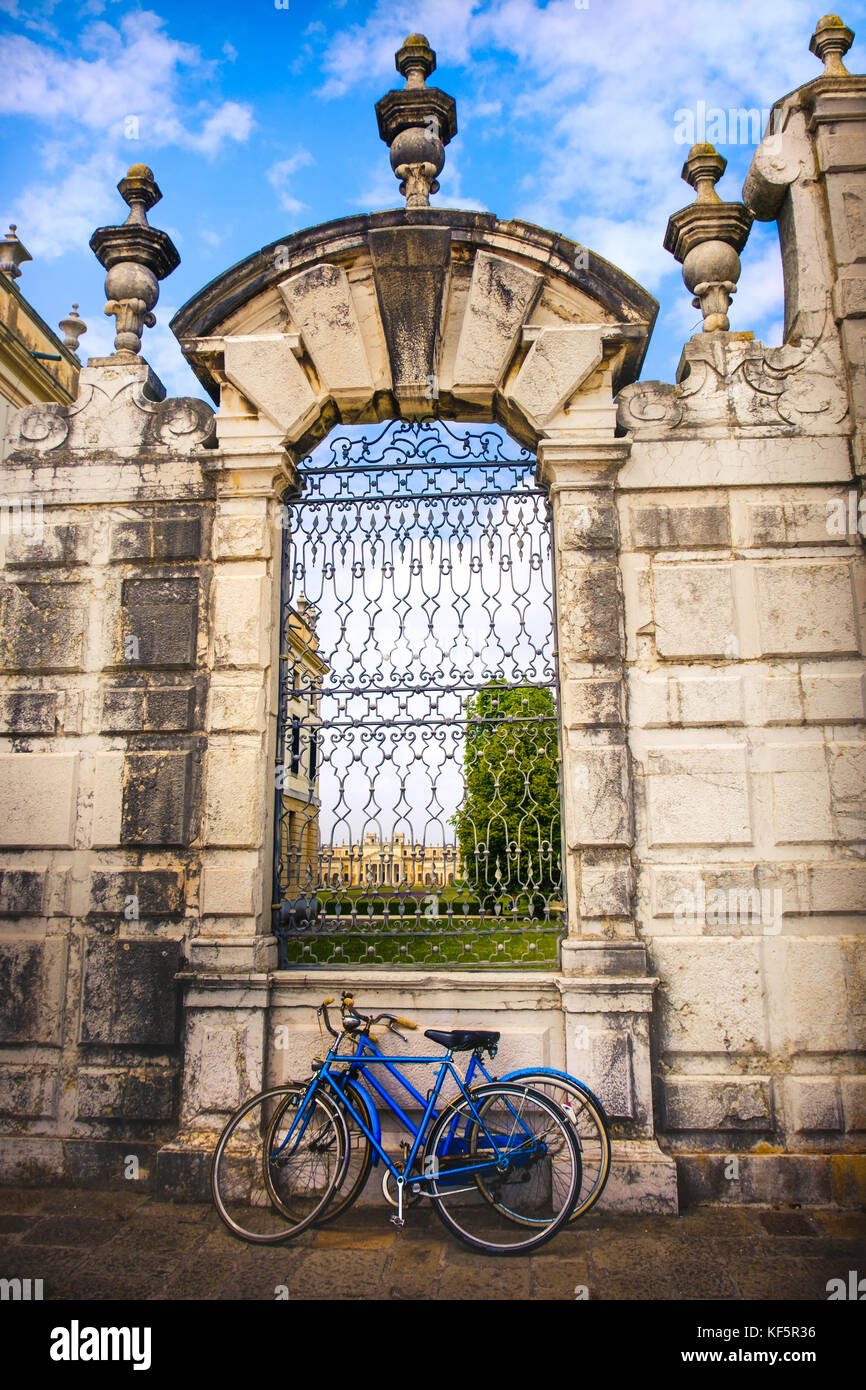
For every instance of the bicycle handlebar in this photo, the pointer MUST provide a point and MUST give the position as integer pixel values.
(347, 1007)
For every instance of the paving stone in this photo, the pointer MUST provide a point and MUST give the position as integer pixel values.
(11, 1224)
(773, 1278)
(344, 1274)
(70, 1230)
(787, 1223)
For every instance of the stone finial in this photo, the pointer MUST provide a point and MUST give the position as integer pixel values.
(706, 238)
(73, 329)
(830, 42)
(12, 253)
(417, 122)
(137, 257)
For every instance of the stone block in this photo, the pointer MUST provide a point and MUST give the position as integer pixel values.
(558, 362)
(32, 978)
(778, 700)
(38, 796)
(587, 525)
(500, 297)
(158, 538)
(66, 545)
(694, 609)
(679, 528)
(140, 708)
(801, 793)
(717, 1103)
(140, 892)
(837, 887)
(698, 796)
(604, 1058)
(606, 889)
(159, 622)
(710, 699)
(145, 1093)
(815, 1104)
(235, 781)
(266, 371)
(28, 1092)
(42, 626)
(157, 799)
(853, 1090)
(834, 696)
(320, 302)
(228, 890)
(597, 808)
(648, 700)
(788, 523)
(128, 993)
(807, 998)
(22, 892)
(805, 608)
(240, 621)
(848, 787)
(30, 711)
(237, 708)
(242, 538)
(107, 799)
(710, 998)
(411, 267)
(589, 610)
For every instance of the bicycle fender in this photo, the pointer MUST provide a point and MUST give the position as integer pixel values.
(370, 1112)
(554, 1074)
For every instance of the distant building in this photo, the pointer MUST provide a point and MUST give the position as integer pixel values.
(299, 768)
(35, 365)
(396, 862)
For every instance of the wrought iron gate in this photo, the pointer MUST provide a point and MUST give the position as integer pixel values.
(417, 780)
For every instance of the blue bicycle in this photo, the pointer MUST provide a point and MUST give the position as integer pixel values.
(499, 1163)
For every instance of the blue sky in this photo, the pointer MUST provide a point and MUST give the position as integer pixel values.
(258, 120)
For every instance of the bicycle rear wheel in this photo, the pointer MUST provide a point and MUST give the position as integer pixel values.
(589, 1127)
(302, 1162)
(356, 1171)
(504, 1178)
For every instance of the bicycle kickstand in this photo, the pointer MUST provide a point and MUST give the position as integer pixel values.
(398, 1220)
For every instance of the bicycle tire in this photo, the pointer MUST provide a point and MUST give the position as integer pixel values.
(360, 1163)
(590, 1126)
(494, 1232)
(239, 1183)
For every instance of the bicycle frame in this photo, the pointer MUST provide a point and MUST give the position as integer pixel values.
(329, 1078)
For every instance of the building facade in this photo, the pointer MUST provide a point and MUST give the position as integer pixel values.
(710, 586)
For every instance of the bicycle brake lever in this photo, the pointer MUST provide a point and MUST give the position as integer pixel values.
(392, 1029)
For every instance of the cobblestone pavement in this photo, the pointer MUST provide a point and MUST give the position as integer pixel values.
(127, 1245)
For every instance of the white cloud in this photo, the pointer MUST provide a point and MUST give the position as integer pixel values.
(278, 177)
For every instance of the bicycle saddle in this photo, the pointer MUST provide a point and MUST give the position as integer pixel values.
(462, 1039)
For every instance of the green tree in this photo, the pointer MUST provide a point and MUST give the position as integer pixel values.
(508, 827)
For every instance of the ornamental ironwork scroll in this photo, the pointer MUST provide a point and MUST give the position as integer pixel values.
(417, 779)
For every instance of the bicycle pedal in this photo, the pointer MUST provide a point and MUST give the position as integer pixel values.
(398, 1221)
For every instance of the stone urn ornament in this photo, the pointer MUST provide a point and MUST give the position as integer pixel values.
(137, 257)
(707, 237)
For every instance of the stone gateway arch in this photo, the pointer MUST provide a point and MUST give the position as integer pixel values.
(709, 586)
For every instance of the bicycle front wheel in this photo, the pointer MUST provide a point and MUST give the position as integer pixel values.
(502, 1169)
(270, 1182)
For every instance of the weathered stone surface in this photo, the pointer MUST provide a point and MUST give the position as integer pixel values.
(32, 980)
(128, 994)
(558, 362)
(159, 622)
(598, 810)
(29, 711)
(240, 626)
(500, 298)
(128, 710)
(234, 790)
(694, 609)
(410, 265)
(698, 796)
(589, 608)
(157, 799)
(805, 608)
(22, 892)
(42, 626)
(835, 696)
(679, 528)
(146, 1093)
(159, 538)
(816, 1105)
(28, 1092)
(717, 1103)
(320, 302)
(38, 799)
(65, 544)
(801, 792)
(710, 998)
(132, 893)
